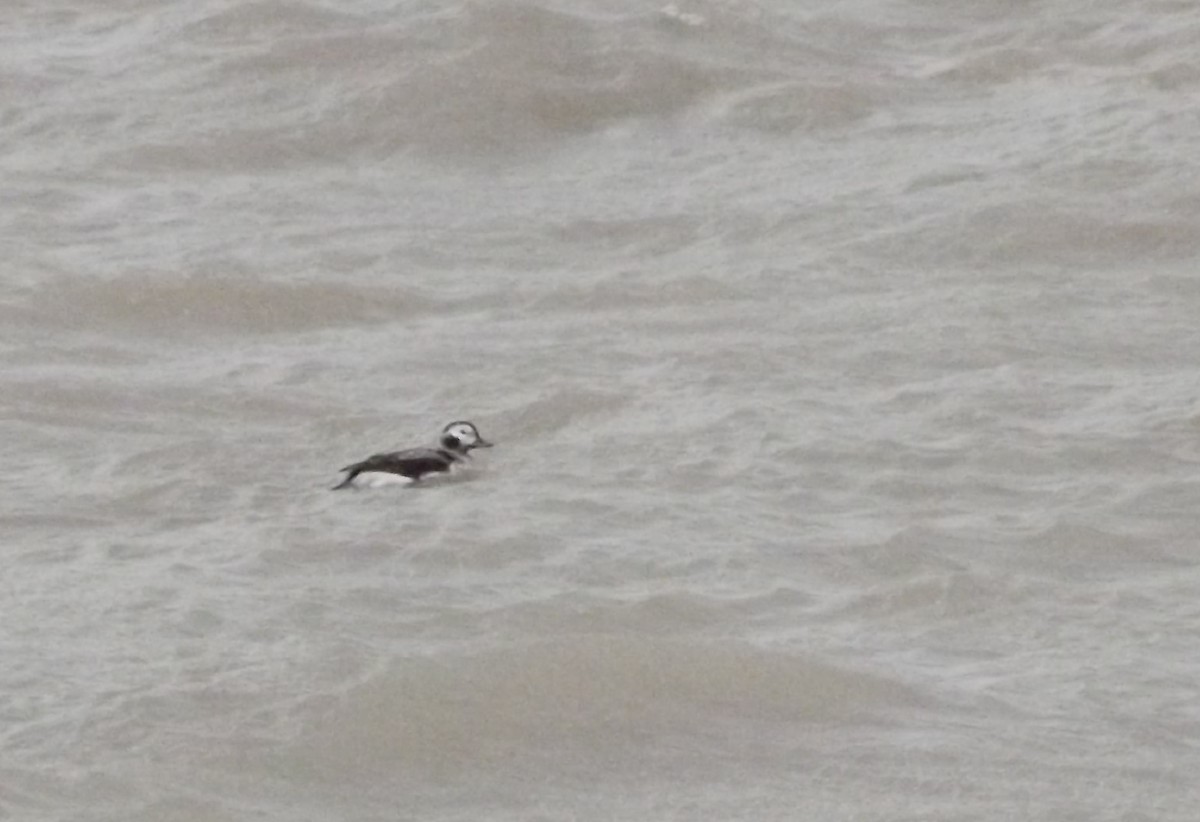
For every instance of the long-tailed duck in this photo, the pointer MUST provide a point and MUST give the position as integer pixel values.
(403, 467)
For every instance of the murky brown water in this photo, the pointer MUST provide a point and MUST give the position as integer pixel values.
(841, 360)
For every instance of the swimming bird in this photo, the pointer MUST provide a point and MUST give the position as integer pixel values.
(454, 446)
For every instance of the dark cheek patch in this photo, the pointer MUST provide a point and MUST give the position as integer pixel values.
(449, 441)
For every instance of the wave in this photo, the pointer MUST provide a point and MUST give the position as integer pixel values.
(477, 80)
(234, 302)
(591, 696)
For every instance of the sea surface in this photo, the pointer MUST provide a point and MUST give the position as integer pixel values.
(842, 361)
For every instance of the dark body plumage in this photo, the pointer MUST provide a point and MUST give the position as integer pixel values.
(413, 463)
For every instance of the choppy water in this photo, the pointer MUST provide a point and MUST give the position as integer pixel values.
(841, 358)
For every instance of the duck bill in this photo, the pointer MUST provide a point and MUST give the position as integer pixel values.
(482, 443)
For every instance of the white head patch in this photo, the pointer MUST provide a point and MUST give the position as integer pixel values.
(464, 432)
(462, 436)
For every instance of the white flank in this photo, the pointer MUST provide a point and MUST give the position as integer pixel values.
(378, 479)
